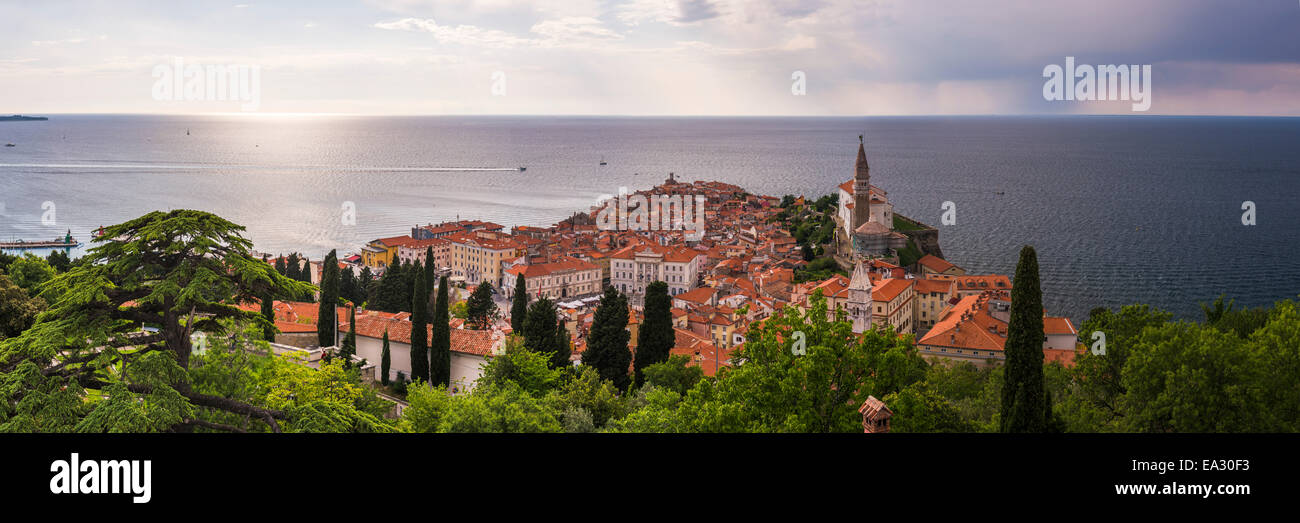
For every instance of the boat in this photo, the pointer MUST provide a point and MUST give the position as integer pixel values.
(522, 169)
(187, 132)
(66, 241)
(21, 118)
(9, 145)
(602, 160)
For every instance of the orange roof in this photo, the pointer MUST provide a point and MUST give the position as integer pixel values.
(927, 286)
(395, 241)
(543, 269)
(935, 263)
(983, 282)
(887, 289)
(965, 325)
(701, 295)
(1054, 325)
(372, 325)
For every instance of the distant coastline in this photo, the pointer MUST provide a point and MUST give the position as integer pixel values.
(21, 118)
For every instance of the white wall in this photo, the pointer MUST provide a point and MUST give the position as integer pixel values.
(465, 368)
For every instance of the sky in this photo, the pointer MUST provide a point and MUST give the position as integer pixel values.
(647, 57)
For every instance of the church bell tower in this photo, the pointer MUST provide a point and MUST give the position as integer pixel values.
(861, 187)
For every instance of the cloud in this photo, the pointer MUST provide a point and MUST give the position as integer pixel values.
(42, 43)
(564, 32)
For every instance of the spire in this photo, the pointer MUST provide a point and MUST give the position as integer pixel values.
(861, 279)
(860, 169)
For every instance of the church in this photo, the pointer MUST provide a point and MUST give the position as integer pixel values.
(866, 216)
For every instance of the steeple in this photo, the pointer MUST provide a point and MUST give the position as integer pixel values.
(860, 169)
(861, 188)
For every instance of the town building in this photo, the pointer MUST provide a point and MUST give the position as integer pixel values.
(564, 279)
(975, 330)
(865, 214)
(633, 268)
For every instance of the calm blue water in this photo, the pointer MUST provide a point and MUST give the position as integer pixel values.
(1121, 209)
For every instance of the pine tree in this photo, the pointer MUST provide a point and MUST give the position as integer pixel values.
(440, 353)
(607, 349)
(268, 312)
(384, 363)
(1025, 407)
(539, 328)
(327, 318)
(519, 305)
(479, 308)
(656, 337)
(419, 329)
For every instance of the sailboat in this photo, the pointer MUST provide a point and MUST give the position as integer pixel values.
(602, 159)
(187, 132)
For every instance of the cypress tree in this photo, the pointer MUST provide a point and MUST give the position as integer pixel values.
(1025, 406)
(563, 347)
(410, 273)
(280, 266)
(519, 305)
(440, 353)
(350, 341)
(364, 283)
(656, 337)
(384, 362)
(327, 319)
(348, 285)
(539, 328)
(305, 275)
(431, 273)
(268, 312)
(607, 349)
(419, 330)
(292, 267)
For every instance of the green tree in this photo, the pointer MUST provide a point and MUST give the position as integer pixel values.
(183, 271)
(656, 337)
(420, 369)
(349, 348)
(59, 260)
(676, 374)
(327, 320)
(384, 361)
(519, 304)
(1026, 406)
(479, 308)
(293, 267)
(607, 344)
(440, 352)
(527, 369)
(562, 351)
(539, 328)
(777, 390)
(18, 310)
(30, 272)
(268, 313)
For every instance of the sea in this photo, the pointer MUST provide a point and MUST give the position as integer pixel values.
(1170, 211)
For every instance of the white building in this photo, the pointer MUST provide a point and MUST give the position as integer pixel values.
(633, 268)
(469, 348)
